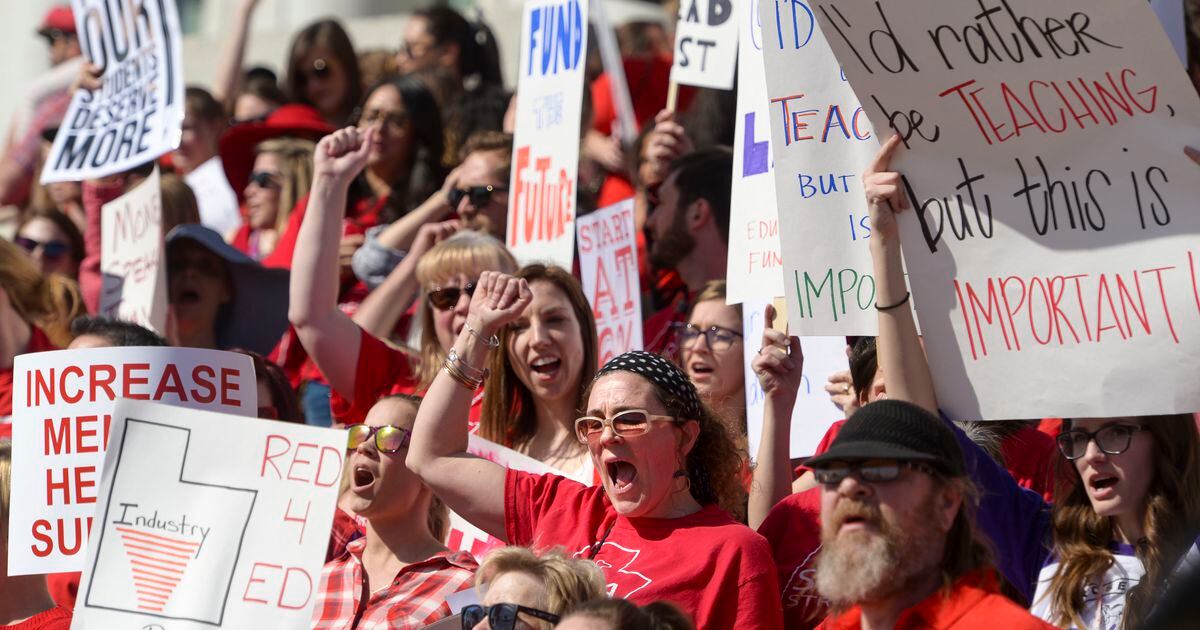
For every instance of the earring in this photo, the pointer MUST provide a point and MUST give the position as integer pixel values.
(687, 481)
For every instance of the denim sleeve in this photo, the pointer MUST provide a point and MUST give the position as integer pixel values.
(373, 262)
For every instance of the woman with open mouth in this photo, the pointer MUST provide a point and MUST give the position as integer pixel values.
(710, 349)
(658, 524)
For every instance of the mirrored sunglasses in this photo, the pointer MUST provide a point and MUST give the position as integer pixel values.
(388, 438)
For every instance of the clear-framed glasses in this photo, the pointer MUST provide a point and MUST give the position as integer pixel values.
(628, 423)
(718, 337)
(1113, 439)
(874, 471)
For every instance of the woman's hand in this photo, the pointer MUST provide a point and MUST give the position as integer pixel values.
(779, 365)
(499, 299)
(667, 141)
(87, 79)
(342, 155)
(431, 234)
(841, 392)
(885, 192)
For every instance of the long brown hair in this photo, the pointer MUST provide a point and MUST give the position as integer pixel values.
(48, 302)
(330, 35)
(1081, 537)
(509, 412)
(295, 173)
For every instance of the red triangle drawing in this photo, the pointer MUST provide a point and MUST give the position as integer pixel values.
(157, 564)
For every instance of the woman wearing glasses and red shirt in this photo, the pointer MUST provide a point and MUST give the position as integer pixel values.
(657, 526)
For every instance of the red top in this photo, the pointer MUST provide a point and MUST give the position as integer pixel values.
(1030, 456)
(974, 601)
(95, 195)
(38, 342)
(57, 618)
(362, 214)
(793, 530)
(717, 570)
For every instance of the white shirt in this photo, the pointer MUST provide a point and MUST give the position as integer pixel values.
(218, 203)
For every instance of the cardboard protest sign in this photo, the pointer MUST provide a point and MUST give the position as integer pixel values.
(609, 266)
(209, 520)
(545, 161)
(131, 257)
(137, 113)
(62, 414)
(755, 263)
(822, 141)
(1051, 249)
(814, 412)
(705, 44)
(463, 535)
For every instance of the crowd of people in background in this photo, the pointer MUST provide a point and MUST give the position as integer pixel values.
(342, 221)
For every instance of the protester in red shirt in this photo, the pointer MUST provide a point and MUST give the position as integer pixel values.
(399, 574)
(521, 589)
(657, 525)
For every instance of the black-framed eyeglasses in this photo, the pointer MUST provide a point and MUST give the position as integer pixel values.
(1112, 439)
(628, 423)
(388, 438)
(874, 471)
(479, 195)
(445, 299)
(264, 179)
(718, 337)
(51, 250)
(501, 616)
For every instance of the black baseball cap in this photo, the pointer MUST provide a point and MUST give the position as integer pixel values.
(894, 429)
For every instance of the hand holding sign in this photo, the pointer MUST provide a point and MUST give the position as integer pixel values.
(885, 197)
(779, 364)
(342, 155)
(666, 142)
(499, 299)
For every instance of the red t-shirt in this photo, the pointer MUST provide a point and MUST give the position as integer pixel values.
(38, 342)
(1030, 456)
(64, 588)
(793, 530)
(717, 570)
(57, 618)
(361, 214)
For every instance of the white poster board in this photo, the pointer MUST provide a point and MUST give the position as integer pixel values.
(814, 411)
(609, 268)
(131, 257)
(545, 161)
(209, 520)
(705, 44)
(755, 264)
(137, 113)
(822, 141)
(62, 413)
(1051, 249)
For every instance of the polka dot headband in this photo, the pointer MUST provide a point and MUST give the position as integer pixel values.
(665, 375)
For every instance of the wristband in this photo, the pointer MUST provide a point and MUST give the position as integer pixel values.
(469, 371)
(902, 302)
(462, 379)
(492, 343)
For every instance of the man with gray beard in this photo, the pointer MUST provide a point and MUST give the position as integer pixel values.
(899, 546)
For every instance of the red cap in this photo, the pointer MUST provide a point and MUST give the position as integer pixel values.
(60, 18)
(238, 142)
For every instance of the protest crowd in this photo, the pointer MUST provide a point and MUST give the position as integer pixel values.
(554, 409)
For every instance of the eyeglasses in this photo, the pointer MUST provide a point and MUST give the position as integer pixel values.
(51, 250)
(388, 438)
(501, 616)
(718, 337)
(479, 195)
(629, 423)
(394, 120)
(445, 299)
(264, 179)
(874, 471)
(1113, 439)
(320, 69)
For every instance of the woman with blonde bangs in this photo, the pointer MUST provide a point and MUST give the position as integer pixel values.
(281, 177)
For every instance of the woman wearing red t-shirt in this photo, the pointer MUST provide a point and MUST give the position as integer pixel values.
(657, 526)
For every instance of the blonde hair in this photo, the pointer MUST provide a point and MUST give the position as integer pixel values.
(569, 581)
(468, 253)
(295, 173)
(48, 302)
(715, 290)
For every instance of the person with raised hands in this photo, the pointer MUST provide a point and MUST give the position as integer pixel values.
(779, 366)
(657, 525)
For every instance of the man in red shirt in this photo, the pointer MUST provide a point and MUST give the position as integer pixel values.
(898, 542)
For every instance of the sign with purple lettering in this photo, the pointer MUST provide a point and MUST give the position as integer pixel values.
(706, 45)
(137, 113)
(131, 257)
(1052, 248)
(821, 140)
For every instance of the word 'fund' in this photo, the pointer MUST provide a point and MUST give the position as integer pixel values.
(556, 35)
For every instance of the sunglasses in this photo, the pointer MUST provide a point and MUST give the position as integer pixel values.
(629, 423)
(479, 195)
(51, 250)
(388, 438)
(874, 471)
(445, 299)
(501, 616)
(1113, 439)
(718, 337)
(264, 179)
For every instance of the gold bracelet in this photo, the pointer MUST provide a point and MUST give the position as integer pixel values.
(470, 371)
(457, 374)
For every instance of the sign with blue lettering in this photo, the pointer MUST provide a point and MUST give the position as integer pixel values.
(706, 45)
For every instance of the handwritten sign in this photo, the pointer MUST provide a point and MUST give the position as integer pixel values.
(609, 266)
(1052, 246)
(814, 412)
(209, 520)
(705, 44)
(62, 419)
(822, 142)
(137, 113)
(545, 162)
(755, 262)
(131, 257)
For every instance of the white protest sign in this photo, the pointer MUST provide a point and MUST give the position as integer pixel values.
(814, 411)
(62, 410)
(609, 266)
(131, 257)
(464, 536)
(1051, 249)
(822, 141)
(705, 44)
(209, 520)
(1172, 17)
(755, 264)
(137, 113)
(545, 162)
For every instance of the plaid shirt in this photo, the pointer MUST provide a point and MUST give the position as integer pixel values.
(415, 598)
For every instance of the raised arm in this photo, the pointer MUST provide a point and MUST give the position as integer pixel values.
(229, 71)
(779, 366)
(901, 356)
(330, 337)
(471, 486)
